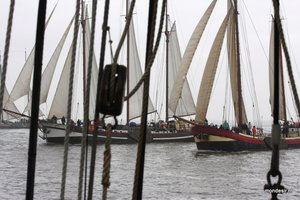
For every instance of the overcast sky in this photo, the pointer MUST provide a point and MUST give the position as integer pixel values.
(255, 14)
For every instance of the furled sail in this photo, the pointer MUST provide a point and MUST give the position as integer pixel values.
(135, 73)
(233, 67)
(186, 105)
(210, 72)
(176, 91)
(271, 78)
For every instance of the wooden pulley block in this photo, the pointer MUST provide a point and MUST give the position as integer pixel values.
(112, 90)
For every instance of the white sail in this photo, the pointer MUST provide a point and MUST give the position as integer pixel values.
(59, 103)
(271, 77)
(8, 106)
(176, 91)
(22, 84)
(135, 73)
(210, 72)
(50, 69)
(51, 66)
(233, 66)
(186, 105)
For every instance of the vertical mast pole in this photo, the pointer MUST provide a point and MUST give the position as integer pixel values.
(83, 21)
(240, 117)
(167, 65)
(276, 71)
(128, 68)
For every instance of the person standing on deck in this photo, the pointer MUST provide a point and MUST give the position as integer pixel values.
(225, 125)
(253, 131)
(63, 120)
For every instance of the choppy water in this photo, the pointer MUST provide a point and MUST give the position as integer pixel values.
(172, 171)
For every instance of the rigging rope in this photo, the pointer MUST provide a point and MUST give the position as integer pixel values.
(70, 94)
(139, 171)
(288, 61)
(6, 52)
(87, 98)
(96, 119)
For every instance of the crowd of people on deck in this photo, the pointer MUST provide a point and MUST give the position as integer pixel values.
(244, 128)
(249, 129)
(179, 126)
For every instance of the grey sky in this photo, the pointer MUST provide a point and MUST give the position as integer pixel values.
(186, 14)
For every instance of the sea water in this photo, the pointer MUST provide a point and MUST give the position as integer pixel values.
(173, 171)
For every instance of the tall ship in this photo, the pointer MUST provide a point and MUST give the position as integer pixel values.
(242, 135)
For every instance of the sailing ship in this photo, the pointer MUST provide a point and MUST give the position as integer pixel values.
(222, 138)
(129, 133)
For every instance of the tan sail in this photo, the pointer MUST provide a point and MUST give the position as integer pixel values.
(209, 72)
(176, 91)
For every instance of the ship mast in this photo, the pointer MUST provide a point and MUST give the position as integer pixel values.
(276, 71)
(127, 83)
(83, 21)
(240, 117)
(167, 65)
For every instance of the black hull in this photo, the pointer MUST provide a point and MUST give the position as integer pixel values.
(230, 146)
(55, 135)
(239, 146)
(209, 138)
(115, 140)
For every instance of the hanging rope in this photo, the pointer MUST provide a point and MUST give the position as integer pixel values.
(70, 95)
(38, 59)
(96, 119)
(139, 171)
(106, 162)
(6, 52)
(87, 99)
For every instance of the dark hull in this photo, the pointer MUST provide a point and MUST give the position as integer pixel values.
(15, 126)
(230, 141)
(56, 134)
(230, 146)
